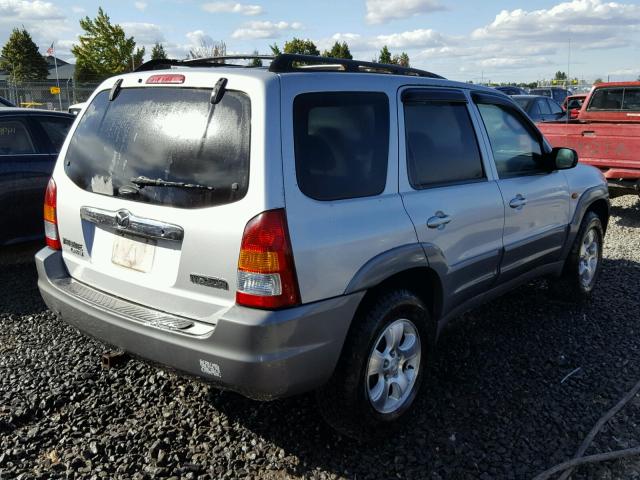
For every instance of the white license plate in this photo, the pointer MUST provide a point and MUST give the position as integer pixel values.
(133, 252)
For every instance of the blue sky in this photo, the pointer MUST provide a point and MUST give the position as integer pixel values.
(460, 39)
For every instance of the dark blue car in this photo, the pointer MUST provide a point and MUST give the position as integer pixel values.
(29, 144)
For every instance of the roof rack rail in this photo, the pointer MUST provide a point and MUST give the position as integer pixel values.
(220, 61)
(288, 63)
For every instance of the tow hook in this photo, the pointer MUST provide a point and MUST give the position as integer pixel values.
(112, 358)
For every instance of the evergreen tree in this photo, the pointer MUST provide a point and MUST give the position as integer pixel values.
(104, 50)
(158, 52)
(339, 50)
(255, 62)
(275, 49)
(385, 55)
(21, 59)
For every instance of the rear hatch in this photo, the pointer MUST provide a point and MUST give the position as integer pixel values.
(154, 190)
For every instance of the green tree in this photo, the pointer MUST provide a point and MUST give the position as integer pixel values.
(209, 48)
(385, 55)
(255, 62)
(598, 80)
(275, 49)
(402, 59)
(104, 49)
(21, 59)
(339, 50)
(158, 52)
(302, 47)
(560, 75)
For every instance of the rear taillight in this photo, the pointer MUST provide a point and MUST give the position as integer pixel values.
(50, 217)
(266, 273)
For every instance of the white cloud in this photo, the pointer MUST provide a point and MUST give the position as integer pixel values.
(29, 10)
(231, 7)
(381, 11)
(142, 6)
(144, 33)
(198, 37)
(43, 20)
(420, 38)
(264, 29)
(585, 22)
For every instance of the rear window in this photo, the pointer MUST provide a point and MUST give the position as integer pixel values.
(341, 144)
(168, 134)
(56, 129)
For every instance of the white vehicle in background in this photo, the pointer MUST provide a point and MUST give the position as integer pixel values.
(75, 108)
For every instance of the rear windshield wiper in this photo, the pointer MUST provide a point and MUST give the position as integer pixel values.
(143, 181)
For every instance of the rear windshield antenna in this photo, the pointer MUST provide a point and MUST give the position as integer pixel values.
(218, 91)
(115, 90)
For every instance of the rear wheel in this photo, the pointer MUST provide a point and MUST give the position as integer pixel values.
(582, 267)
(381, 367)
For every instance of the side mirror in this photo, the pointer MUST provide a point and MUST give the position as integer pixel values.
(563, 158)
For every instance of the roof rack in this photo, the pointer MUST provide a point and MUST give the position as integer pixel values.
(289, 63)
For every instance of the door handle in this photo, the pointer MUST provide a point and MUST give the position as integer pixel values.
(439, 220)
(518, 202)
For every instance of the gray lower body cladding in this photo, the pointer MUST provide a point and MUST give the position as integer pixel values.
(260, 354)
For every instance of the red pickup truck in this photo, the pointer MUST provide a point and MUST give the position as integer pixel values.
(606, 134)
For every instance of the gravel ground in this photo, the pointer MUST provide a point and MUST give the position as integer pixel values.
(496, 407)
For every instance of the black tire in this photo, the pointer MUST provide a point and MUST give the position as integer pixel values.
(569, 285)
(344, 401)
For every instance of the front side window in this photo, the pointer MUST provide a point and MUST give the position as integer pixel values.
(15, 138)
(441, 144)
(516, 149)
(341, 142)
(170, 134)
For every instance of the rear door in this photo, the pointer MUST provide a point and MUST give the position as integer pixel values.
(20, 150)
(536, 200)
(155, 189)
(449, 191)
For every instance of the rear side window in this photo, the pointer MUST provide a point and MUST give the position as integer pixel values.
(543, 105)
(15, 138)
(441, 144)
(56, 129)
(164, 133)
(555, 107)
(341, 142)
(606, 99)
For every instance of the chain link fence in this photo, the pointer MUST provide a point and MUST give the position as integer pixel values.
(45, 94)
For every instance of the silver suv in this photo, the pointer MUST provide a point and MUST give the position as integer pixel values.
(312, 225)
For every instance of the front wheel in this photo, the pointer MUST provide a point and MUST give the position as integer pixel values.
(582, 267)
(381, 367)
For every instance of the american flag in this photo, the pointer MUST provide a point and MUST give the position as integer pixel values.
(50, 50)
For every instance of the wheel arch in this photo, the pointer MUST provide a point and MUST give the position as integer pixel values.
(405, 267)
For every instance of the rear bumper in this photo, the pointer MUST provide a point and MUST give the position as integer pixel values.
(260, 354)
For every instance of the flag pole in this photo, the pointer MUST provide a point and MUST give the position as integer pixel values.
(55, 62)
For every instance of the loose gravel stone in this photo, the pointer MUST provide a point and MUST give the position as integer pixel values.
(494, 405)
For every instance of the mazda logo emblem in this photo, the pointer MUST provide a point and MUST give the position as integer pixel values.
(122, 218)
